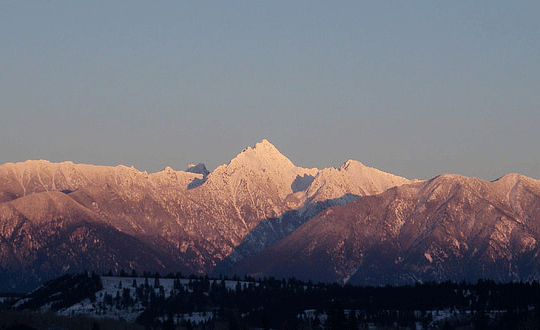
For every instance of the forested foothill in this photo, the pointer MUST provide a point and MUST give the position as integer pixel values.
(198, 302)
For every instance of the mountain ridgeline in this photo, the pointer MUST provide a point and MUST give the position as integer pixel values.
(263, 216)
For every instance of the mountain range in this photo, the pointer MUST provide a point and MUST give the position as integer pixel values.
(261, 215)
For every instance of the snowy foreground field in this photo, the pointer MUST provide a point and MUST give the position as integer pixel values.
(116, 286)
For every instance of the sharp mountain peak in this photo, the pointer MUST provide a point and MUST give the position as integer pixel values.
(351, 163)
(264, 152)
(355, 218)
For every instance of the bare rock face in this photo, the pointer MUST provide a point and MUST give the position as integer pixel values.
(447, 228)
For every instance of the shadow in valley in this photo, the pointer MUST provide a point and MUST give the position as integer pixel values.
(301, 183)
(196, 182)
(270, 231)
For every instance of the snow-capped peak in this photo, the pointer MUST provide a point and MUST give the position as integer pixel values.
(351, 164)
(263, 156)
(264, 160)
(266, 145)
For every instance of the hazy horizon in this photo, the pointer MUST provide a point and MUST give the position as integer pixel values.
(416, 89)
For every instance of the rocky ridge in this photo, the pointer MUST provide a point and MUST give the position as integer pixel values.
(447, 228)
(104, 218)
(262, 215)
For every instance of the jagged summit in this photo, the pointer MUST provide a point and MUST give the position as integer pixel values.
(351, 163)
(60, 216)
(352, 179)
(263, 163)
(264, 153)
(264, 157)
(265, 145)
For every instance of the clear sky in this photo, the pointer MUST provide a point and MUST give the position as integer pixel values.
(415, 88)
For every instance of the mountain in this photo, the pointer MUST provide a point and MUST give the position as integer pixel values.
(447, 228)
(60, 217)
(329, 187)
(262, 215)
(47, 233)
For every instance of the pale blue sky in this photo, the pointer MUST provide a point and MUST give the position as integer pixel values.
(415, 88)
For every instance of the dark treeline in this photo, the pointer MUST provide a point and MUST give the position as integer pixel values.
(272, 303)
(64, 291)
(279, 304)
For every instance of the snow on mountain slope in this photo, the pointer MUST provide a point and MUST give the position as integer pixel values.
(196, 219)
(352, 178)
(329, 187)
(176, 180)
(49, 233)
(34, 176)
(265, 162)
(191, 220)
(447, 228)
